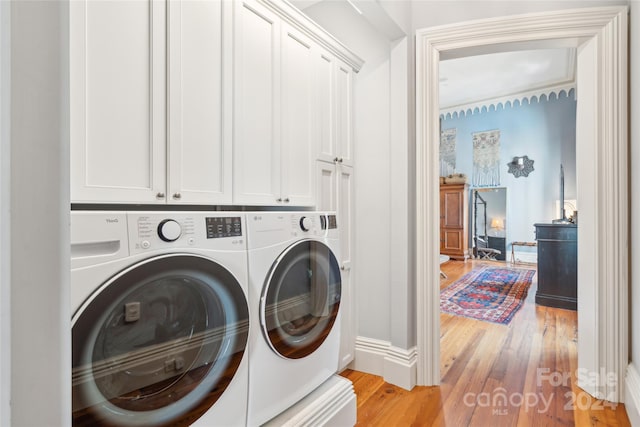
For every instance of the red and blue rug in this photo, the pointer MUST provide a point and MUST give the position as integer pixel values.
(492, 294)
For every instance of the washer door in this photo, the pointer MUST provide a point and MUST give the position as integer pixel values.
(300, 300)
(158, 343)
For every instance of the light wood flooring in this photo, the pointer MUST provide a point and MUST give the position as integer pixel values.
(522, 374)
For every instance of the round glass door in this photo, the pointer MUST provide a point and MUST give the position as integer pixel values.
(158, 343)
(301, 298)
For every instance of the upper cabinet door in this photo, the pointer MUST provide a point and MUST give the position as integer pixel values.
(257, 106)
(117, 91)
(200, 90)
(326, 98)
(344, 108)
(298, 150)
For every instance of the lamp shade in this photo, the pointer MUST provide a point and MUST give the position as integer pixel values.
(497, 223)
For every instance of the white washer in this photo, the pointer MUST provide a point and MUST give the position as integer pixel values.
(295, 290)
(160, 318)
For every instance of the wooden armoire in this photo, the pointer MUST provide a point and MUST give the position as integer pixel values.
(454, 214)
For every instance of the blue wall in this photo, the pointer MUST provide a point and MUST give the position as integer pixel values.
(545, 131)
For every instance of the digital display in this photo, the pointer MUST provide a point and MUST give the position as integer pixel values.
(230, 226)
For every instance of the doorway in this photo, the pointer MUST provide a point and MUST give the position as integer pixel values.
(600, 35)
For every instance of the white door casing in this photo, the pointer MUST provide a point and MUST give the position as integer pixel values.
(600, 34)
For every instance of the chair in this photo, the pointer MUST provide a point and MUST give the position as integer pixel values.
(443, 259)
(483, 251)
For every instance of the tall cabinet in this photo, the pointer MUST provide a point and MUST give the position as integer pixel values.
(454, 219)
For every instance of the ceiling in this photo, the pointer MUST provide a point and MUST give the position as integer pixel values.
(473, 79)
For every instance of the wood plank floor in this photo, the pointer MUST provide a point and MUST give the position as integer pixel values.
(522, 374)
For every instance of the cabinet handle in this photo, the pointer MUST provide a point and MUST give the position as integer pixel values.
(287, 200)
(336, 160)
(177, 196)
(340, 160)
(160, 195)
(279, 200)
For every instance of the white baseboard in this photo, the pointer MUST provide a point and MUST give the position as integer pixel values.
(632, 395)
(396, 365)
(528, 257)
(332, 404)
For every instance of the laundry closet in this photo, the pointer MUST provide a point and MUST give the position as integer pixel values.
(197, 129)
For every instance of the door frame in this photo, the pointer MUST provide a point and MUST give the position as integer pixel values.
(600, 35)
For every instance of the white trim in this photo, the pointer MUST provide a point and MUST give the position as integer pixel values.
(606, 29)
(632, 395)
(507, 101)
(396, 365)
(400, 367)
(369, 355)
(5, 213)
(523, 257)
(333, 403)
(303, 23)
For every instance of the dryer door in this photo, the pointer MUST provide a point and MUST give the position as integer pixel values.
(300, 300)
(158, 343)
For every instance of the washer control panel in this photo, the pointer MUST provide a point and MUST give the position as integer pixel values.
(201, 230)
(228, 226)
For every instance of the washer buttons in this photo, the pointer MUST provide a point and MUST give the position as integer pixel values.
(145, 244)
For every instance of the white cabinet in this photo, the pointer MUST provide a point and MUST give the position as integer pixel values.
(298, 138)
(204, 102)
(335, 105)
(200, 98)
(335, 193)
(150, 97)
(274, 110)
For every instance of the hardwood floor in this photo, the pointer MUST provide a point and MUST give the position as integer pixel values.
(522, 374)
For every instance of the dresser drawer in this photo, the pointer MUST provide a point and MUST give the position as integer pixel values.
(556, 232)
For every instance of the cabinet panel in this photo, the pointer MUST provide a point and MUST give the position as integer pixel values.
(117, 112)
(345, 211)
(297, 131)
(326, 199)
(199, 105)
(452, 240)
(326, 109)
(452, 213)
(257, 105)
(344, 101)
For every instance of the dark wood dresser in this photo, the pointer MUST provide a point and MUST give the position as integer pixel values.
(557, 265)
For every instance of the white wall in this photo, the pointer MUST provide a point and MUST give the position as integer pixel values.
(40, 312)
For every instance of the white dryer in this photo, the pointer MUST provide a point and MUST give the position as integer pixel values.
(160, 318)
(295, 291)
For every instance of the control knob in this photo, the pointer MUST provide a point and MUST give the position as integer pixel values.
(169, 230)
(305, 223)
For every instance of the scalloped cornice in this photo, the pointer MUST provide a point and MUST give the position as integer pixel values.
(514, 100)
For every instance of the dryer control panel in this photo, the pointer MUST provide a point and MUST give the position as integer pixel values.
(202, 230)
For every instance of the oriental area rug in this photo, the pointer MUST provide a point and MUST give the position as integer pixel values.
(492, 294)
